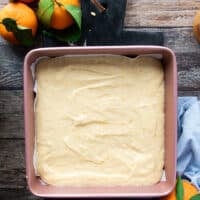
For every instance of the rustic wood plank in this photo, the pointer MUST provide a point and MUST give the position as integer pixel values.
(17, 194)
(189, 79)
(11, 65)
(12, 170)
(11, 114)
(12, 178)
(160, 13)
(188, 71)
(180, 40)
(11, 126)
(183, 93)
(12, 154)
(187, 62)
(11, 101)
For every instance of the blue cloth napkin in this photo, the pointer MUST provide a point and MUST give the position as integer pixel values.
(188, 148)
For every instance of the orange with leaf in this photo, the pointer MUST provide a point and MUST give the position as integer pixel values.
(61, 18)
(184, 191)
(59, 14)
(18, 23)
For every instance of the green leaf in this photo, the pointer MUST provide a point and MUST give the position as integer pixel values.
(71, 34)
(45, 11)
(75, 12)
(22, 34)
(195, 197)
(179, 189)
(10, 24)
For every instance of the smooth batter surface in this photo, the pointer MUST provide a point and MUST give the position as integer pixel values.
(100, 120)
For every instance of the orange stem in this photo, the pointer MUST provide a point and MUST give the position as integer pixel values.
(98, 5)
(58, 3)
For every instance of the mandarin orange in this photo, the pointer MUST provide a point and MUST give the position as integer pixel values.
(22, 14)
(189, 191)
(61, 19)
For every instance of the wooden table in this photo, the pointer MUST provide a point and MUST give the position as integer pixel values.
(172, 17)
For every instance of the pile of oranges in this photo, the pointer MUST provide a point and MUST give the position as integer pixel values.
(24, 13)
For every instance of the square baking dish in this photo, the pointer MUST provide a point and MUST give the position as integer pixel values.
(163, 187)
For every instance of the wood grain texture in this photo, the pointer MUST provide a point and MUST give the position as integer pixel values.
(11, 65)
(17, 194)
(11, 126)
(183, 93)
(12, 170)
(160, 13)
(11, 101)
(180, 40)
(188, 71)
(11, 114)
(12, 154)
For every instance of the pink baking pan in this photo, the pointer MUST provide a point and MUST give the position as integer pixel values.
(161, 188)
